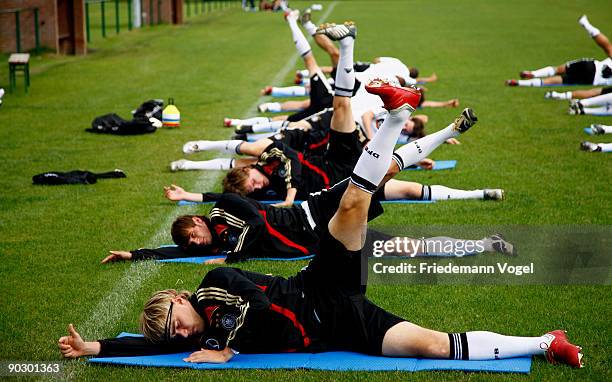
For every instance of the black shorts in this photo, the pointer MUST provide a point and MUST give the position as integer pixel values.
(606, 90)
(321, 120)
(335, 280)
(579, 72)
(343, 151)
(321, 98)
(322, 205)
(323, 171)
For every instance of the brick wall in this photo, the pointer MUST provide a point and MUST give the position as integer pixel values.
(46, 20)
(164, 8)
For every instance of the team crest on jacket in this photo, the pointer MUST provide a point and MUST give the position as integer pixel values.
(212, 343)
(228, 321)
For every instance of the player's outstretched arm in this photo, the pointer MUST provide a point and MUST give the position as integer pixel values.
(176, 193)
(73, 346)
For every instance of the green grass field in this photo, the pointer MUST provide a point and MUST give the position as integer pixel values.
(52, 238)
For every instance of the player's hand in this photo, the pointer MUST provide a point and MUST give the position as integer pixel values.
(453, 141)
(283, 204)
(210, 356)
(117, 256)
(220, 260)
(174, 192)
(73, 346)
(426, 164)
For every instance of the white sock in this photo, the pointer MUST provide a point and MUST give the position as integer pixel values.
(561, 95)
(602, 110)
(418, 150)
(480, 346)
(605, 147)
(592, 31)
(535, 82)
(376, 156)
(224, 147)
(289, 91)
(273, 107)
(310, 28)
(604, 99)
(213, 164)
(548, 71)
(304, 72)
(270, 127)
(248, 121)
(301, 44)
(445, 193)
(345, 75)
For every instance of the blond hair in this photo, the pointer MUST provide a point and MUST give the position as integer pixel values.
(153, 318)
(235, 181)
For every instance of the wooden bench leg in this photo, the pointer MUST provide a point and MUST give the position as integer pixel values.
(11, 78)
(26, 73)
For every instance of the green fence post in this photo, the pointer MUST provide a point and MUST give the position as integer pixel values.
(116, 16)
(150, 12)
(158, 12)
(87, 32)
(17, 31)
(103, 16)
(129, 14)
(36, 30)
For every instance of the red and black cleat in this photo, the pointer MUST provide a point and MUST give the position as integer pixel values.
(511, 83)
(526, 75)
(562, 351)
(394, 97)
(227, 122)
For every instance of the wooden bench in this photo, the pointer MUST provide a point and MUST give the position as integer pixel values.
(19, 62)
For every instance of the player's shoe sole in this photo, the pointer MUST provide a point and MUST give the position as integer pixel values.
(191, 147)
(500, 245)
(465, 121)
(338, 32)
(178, 165)
(244, 129)
(597, 129)
(395, 98)
(494, 194)
(562, 351)
(589, 146)
(306, 16)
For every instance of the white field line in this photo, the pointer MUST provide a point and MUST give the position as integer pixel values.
(113, 306)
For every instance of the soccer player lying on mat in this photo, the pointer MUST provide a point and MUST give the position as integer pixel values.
(241, 228)
(584, 71)
(598, 105)
(282, 173)
(578, 94)
(319, 308)
(596, 147)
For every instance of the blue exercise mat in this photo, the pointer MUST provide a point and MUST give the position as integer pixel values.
(201, 260)
(337, 361)
(399, 201)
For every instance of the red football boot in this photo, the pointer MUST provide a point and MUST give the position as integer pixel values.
(511, 82)
(227, 122)
(267, 90)
(394, 97)
(562, 351)
(526, 75)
